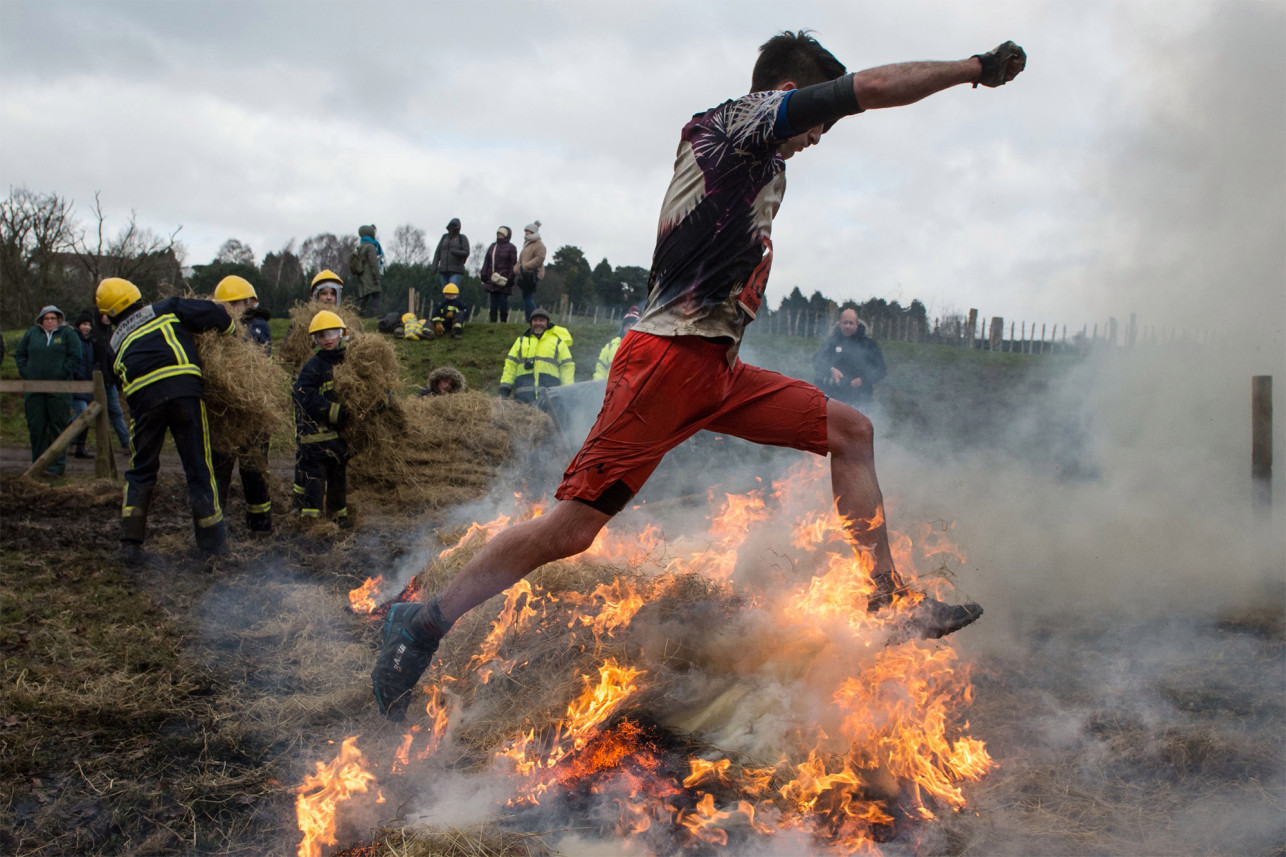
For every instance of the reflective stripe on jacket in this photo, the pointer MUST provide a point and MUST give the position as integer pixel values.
(550, 360)
(156, 356)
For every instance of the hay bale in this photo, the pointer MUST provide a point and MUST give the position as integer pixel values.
(297, 347)
(247, 394)
(436, 451)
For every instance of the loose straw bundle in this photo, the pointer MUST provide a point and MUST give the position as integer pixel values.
(247, 394)
(297, 347)
(437, 451)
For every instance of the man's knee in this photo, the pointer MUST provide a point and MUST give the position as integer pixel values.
(572, 527)
(848, 430)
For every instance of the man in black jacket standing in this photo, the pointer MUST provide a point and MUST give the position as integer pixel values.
(849, 364)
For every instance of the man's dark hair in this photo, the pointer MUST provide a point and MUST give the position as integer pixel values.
(793, 56)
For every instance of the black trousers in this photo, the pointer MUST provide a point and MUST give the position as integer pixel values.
(254, 484)
(324, 468)
(499, 307)
(184, 418)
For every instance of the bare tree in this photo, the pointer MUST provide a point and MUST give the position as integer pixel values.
(474, 265)
(408, 246)
(151, 261)
(37, 231)
(326, 251)
(235, 253)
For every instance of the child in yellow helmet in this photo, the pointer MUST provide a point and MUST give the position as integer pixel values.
(449, 314)
(322, 453)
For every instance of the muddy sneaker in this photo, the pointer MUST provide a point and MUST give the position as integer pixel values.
(932, 619)
(404, 656)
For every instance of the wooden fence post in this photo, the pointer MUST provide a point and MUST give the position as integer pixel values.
(973, 322)
(104, 457)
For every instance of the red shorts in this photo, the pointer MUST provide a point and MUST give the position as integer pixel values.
(661, 390)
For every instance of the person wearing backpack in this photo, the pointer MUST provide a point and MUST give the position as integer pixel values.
(498, 274)
(366, 262)
(452, 253)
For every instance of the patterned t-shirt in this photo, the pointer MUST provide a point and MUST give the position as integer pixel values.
(713, 247)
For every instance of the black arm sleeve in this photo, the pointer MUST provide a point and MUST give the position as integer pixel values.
(822, 104)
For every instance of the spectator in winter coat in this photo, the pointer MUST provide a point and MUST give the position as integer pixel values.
(531, 267)
(323, 454)
(443, 381)
(608, 353)
(498, 273)
(452, 252)
(160, 372)
(541, 357)
(48, 351)
(367, 265)
(84, 372)
(849, 364)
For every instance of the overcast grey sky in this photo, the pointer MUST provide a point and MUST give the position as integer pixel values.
(1139, 164)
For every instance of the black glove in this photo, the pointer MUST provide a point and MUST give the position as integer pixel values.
(1001, 65)
(505, 391)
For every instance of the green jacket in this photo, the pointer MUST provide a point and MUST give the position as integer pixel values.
(605, 358)
(48, 356)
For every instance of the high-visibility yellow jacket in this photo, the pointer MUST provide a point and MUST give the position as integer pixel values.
(534, 362)
(605, 358)
(413, 329)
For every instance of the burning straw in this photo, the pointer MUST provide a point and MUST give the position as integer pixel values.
(247, 394)
(297, 347)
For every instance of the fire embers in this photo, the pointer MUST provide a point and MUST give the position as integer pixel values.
(708, 693)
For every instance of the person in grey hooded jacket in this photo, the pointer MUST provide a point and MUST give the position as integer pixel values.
(452, 252)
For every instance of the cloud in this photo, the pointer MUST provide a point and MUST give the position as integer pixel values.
(1137, 166)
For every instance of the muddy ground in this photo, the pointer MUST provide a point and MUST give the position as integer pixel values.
(173, 709)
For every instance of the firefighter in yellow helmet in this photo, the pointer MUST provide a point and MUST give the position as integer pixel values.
(449, 315)
(323, 454)
(415, 328)
(160, 373)
(242, 301)
(541, 357)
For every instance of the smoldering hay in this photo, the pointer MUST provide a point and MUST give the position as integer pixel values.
(723, 690)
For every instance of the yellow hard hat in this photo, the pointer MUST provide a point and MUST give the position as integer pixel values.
(327, 276)
(451, 289)
(326, 320)
(330, 280)
(114, 295)
(234, 288)
(408, 316)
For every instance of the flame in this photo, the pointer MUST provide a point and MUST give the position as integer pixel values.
(362, 599)
(620, 602)
(323, 791)
(595, 705)
(891, 750)
(512, 618)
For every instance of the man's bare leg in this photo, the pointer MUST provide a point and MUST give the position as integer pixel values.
(412, 631)
(568, 529)
(851, 440)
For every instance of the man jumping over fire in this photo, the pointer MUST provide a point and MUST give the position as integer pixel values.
(709, 270)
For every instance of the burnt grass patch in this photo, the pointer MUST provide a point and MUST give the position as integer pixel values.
(128, 728)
